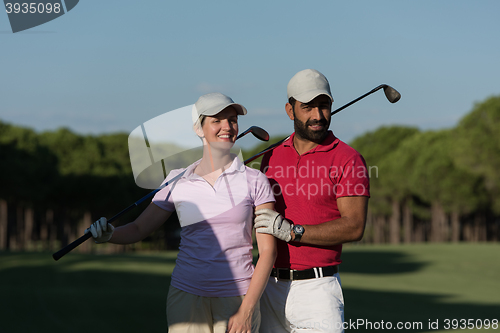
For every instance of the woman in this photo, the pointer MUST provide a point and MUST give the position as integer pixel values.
(214, 287)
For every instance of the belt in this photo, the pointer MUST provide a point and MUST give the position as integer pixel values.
(312, 273)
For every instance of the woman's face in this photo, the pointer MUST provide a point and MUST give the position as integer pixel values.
(223, 127)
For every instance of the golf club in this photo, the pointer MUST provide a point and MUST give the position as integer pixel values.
(258, 132)
(392, 96)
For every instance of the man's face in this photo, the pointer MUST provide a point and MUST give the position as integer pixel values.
(312, 120)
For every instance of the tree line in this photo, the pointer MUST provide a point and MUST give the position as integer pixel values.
(435, 186)
(54, 184)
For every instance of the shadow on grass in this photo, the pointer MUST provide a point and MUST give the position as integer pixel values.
(415, 310)
(40, 295)
(379, 262)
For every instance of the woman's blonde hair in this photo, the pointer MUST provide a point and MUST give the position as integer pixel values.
(197, 126)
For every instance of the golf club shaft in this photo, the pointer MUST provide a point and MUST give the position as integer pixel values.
(358, 99)
(271, 147)
(243, 134)
(68, 248)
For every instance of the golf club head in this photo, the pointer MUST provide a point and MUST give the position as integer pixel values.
(392, 94)
(259, 133)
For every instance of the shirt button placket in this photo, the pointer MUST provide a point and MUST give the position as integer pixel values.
(297, 167)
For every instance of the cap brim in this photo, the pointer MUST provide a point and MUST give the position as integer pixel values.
(240, 109)
(308, 96)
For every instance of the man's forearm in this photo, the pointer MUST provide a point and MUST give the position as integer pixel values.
(348, 228)
(339, 231)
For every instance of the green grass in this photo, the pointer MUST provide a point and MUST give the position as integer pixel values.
(422, 282)
(127, 293)
(82, 293)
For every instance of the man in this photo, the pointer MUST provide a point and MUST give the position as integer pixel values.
(321, 187)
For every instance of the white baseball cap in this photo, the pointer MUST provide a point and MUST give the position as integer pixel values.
(308, 84)
(213, 103)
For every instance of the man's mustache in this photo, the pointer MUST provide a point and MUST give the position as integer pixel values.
(316, 122)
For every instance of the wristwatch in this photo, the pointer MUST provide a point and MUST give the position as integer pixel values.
(298, 230)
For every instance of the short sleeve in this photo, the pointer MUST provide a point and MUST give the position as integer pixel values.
(163, 198)
(260, 188)
(352, 178)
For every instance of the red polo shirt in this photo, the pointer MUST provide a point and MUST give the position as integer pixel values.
(306, 188)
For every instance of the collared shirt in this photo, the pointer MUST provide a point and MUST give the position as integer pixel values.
(215, 253)
(306, 188)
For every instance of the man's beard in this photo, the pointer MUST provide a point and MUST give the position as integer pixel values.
(304, 132)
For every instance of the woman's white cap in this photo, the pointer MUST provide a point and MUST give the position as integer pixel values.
(308, 84)
(213, 103)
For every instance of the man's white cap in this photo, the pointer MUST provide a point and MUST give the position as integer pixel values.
(211, 104)
(308, 84)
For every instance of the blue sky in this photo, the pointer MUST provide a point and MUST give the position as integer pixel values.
(112, 65)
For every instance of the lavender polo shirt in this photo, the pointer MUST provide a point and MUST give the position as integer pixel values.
(215, 253)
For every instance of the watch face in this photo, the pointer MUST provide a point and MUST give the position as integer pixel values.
(299, 229)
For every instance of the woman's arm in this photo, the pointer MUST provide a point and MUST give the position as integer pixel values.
(150, 220)
(241, 321)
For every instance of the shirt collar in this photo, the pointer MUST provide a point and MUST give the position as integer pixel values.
(236, 166)
(327, 144)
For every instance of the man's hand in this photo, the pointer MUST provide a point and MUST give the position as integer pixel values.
(101, 230)
(268, 221)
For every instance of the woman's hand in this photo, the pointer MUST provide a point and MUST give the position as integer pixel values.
(240, 322)
(101, 230)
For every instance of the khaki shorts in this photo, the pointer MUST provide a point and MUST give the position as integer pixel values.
(189, 313)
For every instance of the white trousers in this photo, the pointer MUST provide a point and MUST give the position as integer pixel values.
(300, 306)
